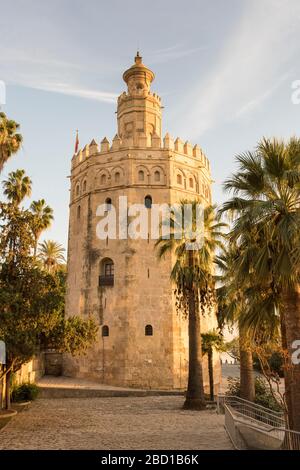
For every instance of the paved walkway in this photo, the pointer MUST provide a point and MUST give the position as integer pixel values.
(114, 423)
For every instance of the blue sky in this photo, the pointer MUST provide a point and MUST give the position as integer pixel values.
(224, 70)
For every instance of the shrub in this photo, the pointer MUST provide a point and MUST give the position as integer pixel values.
(275, 361)
(25, 392)
(263, 396)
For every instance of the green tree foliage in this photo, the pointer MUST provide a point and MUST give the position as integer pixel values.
(265, 207)
(10, 138)
(51, 255)
(43, 217)
(17, 187)
(24, 392)
(32, 299)
(263, 396)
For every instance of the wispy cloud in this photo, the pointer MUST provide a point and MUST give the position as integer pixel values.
(19, 56)
(171, 53)
(68, 89)
(251, 67)
(39, 70)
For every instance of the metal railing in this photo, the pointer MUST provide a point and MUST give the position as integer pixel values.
(253, 426)
(254, 411)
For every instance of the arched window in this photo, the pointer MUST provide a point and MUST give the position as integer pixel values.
(84, 186)
(105, 330)
(148, 202)
(78, 212)
(191, 182)
(77, 189)
(107, 272)
(148, 330)
(156, 176)
(141, 175)
(117, 177)
(103, 179)
(179, 179)
(108, 204)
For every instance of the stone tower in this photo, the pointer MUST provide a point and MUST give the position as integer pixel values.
(120, 282)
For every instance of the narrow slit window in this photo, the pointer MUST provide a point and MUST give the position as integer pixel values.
(148, 202)
(105, 331)
(108, 204)
(148, 330)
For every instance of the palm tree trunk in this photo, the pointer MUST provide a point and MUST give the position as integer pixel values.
(287, 377)
(246, 371)
(195, 392)
(291, 317)
(211, 374)
(35, 247)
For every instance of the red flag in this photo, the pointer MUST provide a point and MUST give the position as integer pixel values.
(76, 142)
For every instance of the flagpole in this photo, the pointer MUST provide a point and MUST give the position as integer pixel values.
(76, 141)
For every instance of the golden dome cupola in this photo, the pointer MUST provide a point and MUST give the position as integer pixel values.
(138, 78)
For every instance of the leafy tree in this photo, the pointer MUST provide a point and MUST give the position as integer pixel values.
(32, 300)
(43, 216)
(275, 362)
(263, 352)
(192, 274)
(10, 139)
(17, 187)
(51, 255)
(266, 211)
(263, 395)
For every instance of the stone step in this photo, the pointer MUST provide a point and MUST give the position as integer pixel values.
(67, 392)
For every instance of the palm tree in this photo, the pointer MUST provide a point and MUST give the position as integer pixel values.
(192, 274)
(17, 187)
(266, 193)
(232, 303)
(51, 255)
(10, 139)
(212, 340)
(43, 216)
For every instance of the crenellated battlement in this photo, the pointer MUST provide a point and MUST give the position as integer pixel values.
(127, 96)
(186, 148)
(144, 141)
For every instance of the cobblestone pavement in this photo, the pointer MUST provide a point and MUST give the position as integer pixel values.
(114, 423)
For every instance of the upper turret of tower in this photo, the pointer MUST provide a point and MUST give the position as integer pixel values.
(138, 78)
(140, 123)
(139, 110)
